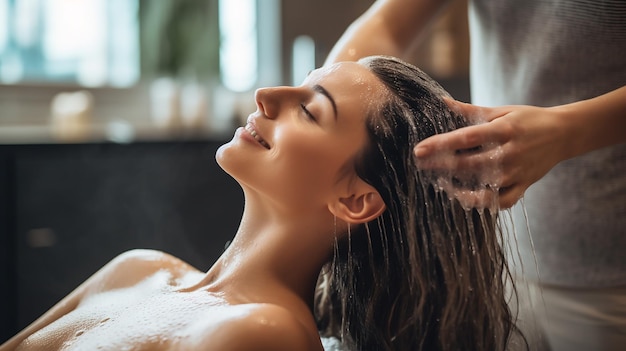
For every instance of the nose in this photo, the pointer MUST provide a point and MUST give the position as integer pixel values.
(269, 101)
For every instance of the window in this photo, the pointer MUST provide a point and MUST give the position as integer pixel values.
(116, 49)
(238, 44)
(91, 43)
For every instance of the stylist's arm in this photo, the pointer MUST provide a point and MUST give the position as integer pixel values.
(388, 27)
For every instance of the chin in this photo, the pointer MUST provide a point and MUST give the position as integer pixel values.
(223, 156)
(231, 160)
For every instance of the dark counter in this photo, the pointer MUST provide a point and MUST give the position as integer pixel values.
(67, 209)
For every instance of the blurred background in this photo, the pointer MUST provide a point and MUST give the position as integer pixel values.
(111, 112)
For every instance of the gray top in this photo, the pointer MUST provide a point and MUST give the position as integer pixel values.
(552, 52)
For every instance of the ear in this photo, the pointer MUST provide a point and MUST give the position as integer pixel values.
(362, 205)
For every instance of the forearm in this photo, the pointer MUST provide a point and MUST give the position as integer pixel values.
(595, 123)
(389, 27)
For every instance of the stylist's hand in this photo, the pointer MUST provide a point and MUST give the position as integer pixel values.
(521, 142)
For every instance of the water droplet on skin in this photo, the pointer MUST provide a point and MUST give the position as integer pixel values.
(80, 332)
(67, 344)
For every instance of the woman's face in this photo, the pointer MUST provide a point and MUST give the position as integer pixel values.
(299, 145)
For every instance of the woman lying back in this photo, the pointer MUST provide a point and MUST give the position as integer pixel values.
(340, 236)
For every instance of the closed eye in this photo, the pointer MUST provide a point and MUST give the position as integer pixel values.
(308, 113)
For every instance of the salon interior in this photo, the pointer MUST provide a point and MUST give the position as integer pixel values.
(111, 112)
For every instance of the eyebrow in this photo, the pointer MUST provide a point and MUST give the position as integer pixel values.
(320, 89)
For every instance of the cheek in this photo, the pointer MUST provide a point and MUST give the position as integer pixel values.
(307, 159)
(307, 162)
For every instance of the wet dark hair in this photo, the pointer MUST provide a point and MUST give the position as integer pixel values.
(427, 274)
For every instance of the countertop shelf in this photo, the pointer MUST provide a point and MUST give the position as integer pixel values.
(121, 132)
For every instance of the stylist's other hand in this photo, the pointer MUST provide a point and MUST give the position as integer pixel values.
(514, 148)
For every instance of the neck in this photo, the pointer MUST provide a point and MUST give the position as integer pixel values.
(274, 257)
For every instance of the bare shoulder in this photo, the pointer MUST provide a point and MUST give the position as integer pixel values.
(146, 258)
(259, 327)
(125, 270)
(135, 265)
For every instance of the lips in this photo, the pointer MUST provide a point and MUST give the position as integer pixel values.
(250, 128)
